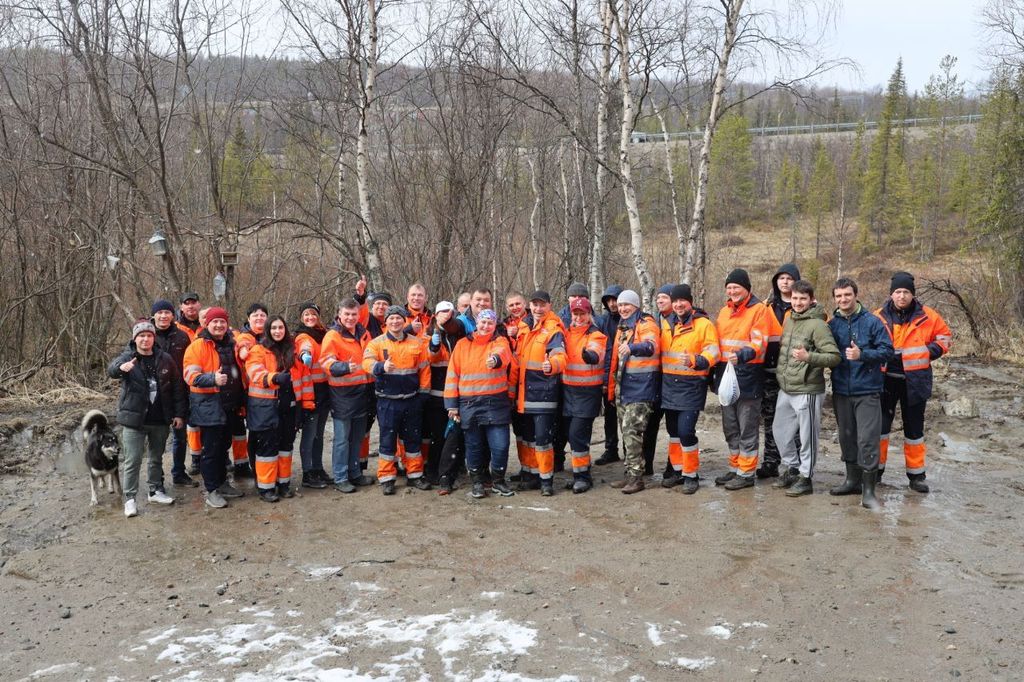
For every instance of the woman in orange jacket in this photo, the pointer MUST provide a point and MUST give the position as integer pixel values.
(309, 337)
(279, 387)
(585, 346)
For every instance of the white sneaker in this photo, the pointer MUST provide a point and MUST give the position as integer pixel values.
(214, 499)
(160, 497)
(130, 508)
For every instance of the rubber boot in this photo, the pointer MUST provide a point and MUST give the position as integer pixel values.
(478, 491)
(850, 486)
(499, 485)
(868, 499)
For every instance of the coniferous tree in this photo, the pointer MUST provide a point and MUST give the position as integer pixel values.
(821, 191)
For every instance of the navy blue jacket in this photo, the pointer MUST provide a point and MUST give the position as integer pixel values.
(864, 376)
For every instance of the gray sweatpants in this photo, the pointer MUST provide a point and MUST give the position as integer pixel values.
(135, 442)
(860, 428)
(740, 425)
(798, 413)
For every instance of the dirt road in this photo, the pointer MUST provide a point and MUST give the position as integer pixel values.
(656, 586)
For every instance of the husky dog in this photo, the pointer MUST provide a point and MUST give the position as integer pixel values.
(102, 450)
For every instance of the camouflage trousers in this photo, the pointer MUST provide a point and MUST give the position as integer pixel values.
(633, 420)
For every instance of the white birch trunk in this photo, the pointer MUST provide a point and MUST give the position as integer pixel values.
(597, 271)
(534, 232)
(672, 189)
(374, 273)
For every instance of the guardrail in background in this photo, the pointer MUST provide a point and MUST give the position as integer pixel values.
(811, 128)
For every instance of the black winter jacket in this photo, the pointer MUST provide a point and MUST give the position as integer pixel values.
(133, 403)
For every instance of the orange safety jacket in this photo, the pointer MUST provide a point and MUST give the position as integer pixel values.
(351, 391)
(244, 339)
(305, 343)
(199, 366)
(692, 338)
(919, 335)
(480, 393)
(537, 391)
(411, 376)
(424, 316)
(744, 329)
(261, 368)
(439, 358)
(639, 378)
(585, 347)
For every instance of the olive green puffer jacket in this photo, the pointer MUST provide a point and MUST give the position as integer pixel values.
(808, 330)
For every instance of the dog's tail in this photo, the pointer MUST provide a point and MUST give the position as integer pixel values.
(94, 419)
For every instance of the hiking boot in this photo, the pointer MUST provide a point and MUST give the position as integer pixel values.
(671, 480)
(547, 488)
(634, 484)
(740, 482)
(345, 487)
(868, 499)
(160, 497)
(311, 480)
(478, 491)
(621, 483)
(851, 485)
(444, 486)
(228, 490)
(361, 481)
(388, 487)
(801, 487)
(689, 485)
(608, 457)
(184, 480)
(528, 481)
(581, 485)
(269, 495)
(788, 478)
(767, 470)
(499, 485)
(285, 490)
(243, 471)
(917, 483)
(420, 483)
(130, 508)
(215, 499)
(725, 478)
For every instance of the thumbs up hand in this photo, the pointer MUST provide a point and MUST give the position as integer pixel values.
(220, 378)
(853, 352)
(800, 353)
(128, 366)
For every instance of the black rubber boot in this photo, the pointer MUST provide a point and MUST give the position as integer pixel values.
(917, 483)
(478, 491)
(767, 470)
(868, 499)
(788, 478)
(852, 484)
(499, 485)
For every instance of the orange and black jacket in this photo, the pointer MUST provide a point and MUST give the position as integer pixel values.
(351, 391)
(745, 329)
(410, 377)
(919, 335)
(267, 390)
(208, 402)
(538, 392)
(585, 348)
(683, 387)
(480, 393)
(439, 356)
(640, 375)
(310, 340)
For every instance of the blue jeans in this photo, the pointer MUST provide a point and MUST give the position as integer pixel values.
(348, 440)
(311, 444)
(178, 446)
(496, 437)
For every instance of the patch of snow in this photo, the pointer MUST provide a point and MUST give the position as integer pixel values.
(294, 614)
(537, 509)
(654, 635)
(318, 572)
(755, 624)
(367, 587)
(719, 631)
(696, 664)
(58, 669)
(491, 595)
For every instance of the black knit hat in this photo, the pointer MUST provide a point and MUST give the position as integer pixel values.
(902, 280)
(162, 304)
(739, 276)
(682, 291)
(379, 296)
(309, 305)
(394, 310)
(578, 289)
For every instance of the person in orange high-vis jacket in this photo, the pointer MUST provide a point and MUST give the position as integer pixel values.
(919, 336)
(351, 391)
(585, 346)
(689, 349)
(279, 387)
(477, 396)
(634, 382)
(242, 447)
(309, 337)
(398, 362)
(540, 358)
(744, 326)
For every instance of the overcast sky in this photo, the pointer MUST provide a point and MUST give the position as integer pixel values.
(876, 33)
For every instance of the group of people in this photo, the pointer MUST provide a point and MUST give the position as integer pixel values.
(446, 386)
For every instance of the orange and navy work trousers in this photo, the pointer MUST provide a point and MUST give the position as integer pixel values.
(683, 451)
(579, 430)
(537, 451)
(740, 424)
(400, 419)
(895, 395)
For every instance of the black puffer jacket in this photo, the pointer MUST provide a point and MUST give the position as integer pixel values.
(133, 403)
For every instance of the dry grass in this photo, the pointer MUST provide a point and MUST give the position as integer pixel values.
(74, 394)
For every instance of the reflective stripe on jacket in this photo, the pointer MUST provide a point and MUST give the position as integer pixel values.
(480, 393)
(537, 392)
(585, 348)
(745, 329)
(685, 387)
(305, 343)
(411, 375)
(262, 408)
(201, 363)
(641, 375)
(919, 335)
(351, 391)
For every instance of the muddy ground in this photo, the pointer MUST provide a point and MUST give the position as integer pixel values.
(656, 586)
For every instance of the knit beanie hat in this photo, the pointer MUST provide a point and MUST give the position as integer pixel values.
(394, 310)
(162, 304)
(629, 296)
(309, 305)
(666, 289)
(379, 296)
(739, 276)
(143, 326)
(902, 280)
(216, 313)
(682, 291)
(487, 314)
(578, 289)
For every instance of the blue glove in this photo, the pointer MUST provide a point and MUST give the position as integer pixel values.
(307, 359)
(435, 339)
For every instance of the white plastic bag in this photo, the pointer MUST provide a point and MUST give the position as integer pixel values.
(729, 388)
